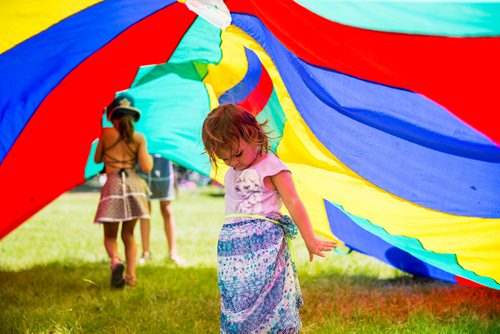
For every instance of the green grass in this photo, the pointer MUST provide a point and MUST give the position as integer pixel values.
(54, 278)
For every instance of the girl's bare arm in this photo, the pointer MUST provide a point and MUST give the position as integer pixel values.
(99, 152)
(145, 159)
(284, 185)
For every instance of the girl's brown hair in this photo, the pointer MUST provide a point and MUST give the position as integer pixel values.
(226, 125)
(126, 128)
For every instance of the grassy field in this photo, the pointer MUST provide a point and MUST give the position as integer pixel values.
(54, 278)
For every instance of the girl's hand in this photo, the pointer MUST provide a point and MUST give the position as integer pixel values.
(317, 247)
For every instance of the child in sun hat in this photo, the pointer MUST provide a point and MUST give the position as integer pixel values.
(124, 196)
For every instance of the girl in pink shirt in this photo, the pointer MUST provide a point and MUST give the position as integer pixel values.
(257, 278)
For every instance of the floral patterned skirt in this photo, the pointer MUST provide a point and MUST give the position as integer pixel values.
(258, 282)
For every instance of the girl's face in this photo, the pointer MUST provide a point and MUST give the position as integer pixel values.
(240, 156)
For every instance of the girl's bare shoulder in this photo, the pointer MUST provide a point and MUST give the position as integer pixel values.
(109, 131)
(139, 136)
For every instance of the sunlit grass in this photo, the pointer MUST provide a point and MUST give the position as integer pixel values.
(54, 278)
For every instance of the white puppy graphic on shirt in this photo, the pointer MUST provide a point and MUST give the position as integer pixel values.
(248, 187)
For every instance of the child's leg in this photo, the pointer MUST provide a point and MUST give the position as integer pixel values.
(145, 234)
(167, 213)
(130, 247)
(110, 244)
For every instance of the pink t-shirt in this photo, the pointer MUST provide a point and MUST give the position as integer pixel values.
(245, 190)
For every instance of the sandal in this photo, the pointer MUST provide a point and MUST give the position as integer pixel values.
(178, 261)
(146, 257)
(117, 279)
(130, 281)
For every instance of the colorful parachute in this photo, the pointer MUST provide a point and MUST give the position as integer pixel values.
(386, 112)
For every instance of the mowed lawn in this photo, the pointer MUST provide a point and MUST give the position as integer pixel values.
(54, 278)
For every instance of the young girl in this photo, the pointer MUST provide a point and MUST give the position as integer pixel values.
(124, 195)
(161, 181)
(257, 278)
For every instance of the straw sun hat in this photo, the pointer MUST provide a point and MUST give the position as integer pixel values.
(123, 104)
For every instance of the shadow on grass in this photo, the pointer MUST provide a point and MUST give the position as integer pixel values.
(398, 301)
(76, 297)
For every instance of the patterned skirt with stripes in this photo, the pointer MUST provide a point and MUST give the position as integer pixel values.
(124, 197)
(258, 283)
